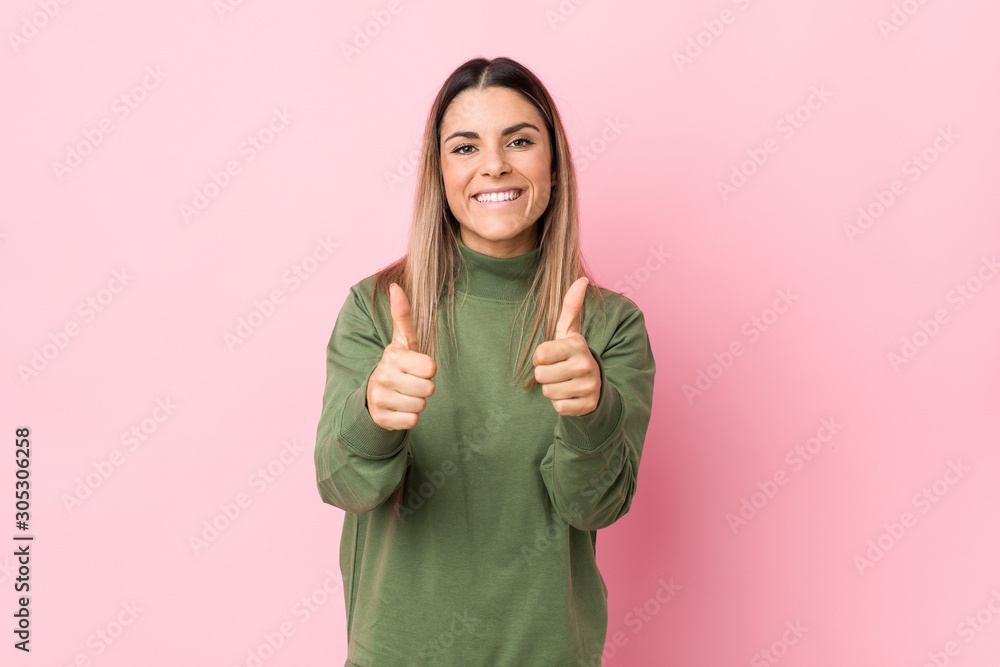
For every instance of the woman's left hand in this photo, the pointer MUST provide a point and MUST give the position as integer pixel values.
(564, 366)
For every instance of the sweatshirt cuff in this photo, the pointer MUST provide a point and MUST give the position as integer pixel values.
(360, 432)
(591, 431)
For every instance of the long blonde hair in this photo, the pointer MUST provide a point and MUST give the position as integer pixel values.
(427, 272)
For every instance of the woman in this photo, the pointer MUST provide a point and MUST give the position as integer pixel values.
(474, 485)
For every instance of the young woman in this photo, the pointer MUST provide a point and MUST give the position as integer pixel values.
(475, 470)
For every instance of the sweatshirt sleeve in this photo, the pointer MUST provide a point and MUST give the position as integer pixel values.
(358, 463)
(591, 469)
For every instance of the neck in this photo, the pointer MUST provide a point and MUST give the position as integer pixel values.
(498, 278)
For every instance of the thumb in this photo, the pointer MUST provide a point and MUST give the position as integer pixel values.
(569, 316)
(402, 326)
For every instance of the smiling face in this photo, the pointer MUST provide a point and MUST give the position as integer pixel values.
(495, 141)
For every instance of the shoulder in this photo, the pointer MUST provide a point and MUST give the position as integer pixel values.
(617, 306)
(360, 293)
(354, 309)
(614, 316)
(364, 286)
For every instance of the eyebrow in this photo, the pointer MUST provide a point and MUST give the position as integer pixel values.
(510, 130)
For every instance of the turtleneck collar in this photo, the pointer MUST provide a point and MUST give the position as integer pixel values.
(497, 278)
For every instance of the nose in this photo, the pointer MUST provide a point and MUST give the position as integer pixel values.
(494, 162)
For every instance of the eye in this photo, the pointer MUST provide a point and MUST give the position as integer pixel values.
(527, 142)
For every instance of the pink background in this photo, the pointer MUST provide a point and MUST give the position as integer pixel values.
(653, 137)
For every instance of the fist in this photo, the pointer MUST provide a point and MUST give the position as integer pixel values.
(564, 366)
(399, 386)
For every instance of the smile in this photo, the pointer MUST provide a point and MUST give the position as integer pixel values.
(492, 197)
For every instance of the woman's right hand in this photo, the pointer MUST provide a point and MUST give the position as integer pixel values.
(402, 381)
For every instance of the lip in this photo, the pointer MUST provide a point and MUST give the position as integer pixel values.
(491, 191)
(499, 204)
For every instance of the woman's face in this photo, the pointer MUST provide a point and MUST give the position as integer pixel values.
(494, 139)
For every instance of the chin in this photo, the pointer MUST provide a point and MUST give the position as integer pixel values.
(499, 232)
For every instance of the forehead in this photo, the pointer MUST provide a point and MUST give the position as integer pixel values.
(492, 106)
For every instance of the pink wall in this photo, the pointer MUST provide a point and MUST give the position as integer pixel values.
(856, 420)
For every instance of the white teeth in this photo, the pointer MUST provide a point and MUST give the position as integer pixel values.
(498, 196)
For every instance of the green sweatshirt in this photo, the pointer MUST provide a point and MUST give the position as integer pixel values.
(470, 539)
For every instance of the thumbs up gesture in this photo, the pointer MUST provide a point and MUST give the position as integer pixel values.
(564, 366)
(400, 384)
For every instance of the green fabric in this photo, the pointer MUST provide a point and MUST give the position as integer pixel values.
(470, 539)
